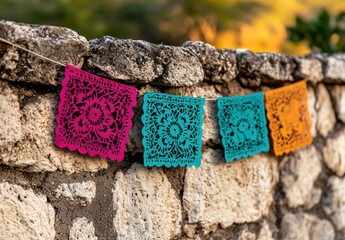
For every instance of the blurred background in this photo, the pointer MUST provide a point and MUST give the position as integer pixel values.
(287, 26)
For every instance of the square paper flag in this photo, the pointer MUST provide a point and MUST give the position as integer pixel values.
(288, 116)
(95, 114)
(172, 130)
(242, 123)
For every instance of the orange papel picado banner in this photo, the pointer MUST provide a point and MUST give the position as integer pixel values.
(288, 116)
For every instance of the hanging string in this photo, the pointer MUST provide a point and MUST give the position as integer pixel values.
(34, 53)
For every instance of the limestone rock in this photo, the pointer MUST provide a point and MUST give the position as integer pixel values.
(308, 68)
(312, 110)
(82, 229)
(25, 215)
(218, 65)
(210, 129)
(140, 61)
(80, 192)
(58, 43)
(145, 205)
(10, 114)
(299, 172)
(214, 193)
(334, 70)
(264, 234)
(134, 143)
(338, 95)
(36, 152)
(270, 68)
(325, 114)
(334, 153)
(303, 226)
(334, 202)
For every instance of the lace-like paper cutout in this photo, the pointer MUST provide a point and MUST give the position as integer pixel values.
(95, 114)
(288, 115)
(243, 125)
(172, 130)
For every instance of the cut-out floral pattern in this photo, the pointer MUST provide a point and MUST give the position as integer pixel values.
(288, 116)
(172, 130)
(94, 114)
(243, 126)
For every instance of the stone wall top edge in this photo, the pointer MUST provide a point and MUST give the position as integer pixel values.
(141, 62)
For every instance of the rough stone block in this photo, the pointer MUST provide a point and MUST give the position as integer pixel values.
(226, 193)
(82, 229)
(338, 95)
(308, 68)
(218, 65)
(140, 61)
(24, 214)
(334, 68)
(58, 43)
(270, 68)
(334, 153)
(303, 226)
(145, 205)
(325, 114)
(299, 172)
(264, 233)
(10, 115)
(81, 192)
(334, 201)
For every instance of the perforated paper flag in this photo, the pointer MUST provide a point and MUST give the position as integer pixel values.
(94, 114)
(243, 126)
(288, 116)
(172, 130)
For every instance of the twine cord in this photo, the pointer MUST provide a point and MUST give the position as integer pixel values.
(32, 52)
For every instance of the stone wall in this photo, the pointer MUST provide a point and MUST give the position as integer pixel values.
(49, 193)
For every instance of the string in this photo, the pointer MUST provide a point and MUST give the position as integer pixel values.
(32, 52)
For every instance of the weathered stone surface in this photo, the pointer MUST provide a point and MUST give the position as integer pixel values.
(134, 143)
(218, 65)
(210, 129)
(145, 205)
(338, 95)
(214, 193)
(81, 192)
(25, 215)
(334, 68)
(325, 114)
(58, 43)
(299, 171)
(270, 68)
(334, 201)
(334, 153)
(312, 110)
(264, 234)
(82, 229)
(10, 114)
(140, 61)
(308, 68)
(303, 226)
(36, 152)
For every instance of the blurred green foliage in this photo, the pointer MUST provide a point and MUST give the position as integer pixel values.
(170, 22)
(324, 33)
